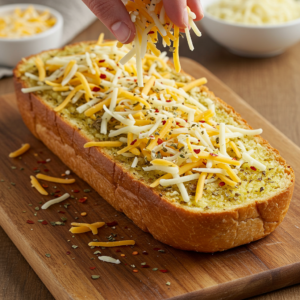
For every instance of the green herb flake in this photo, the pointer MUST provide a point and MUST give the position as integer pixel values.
(92, 258)
(168, 283)
(162, 251)
(74, 246)
(72, 197)
(13, 167)
(12, 183)
(97, 252)
(37, 208)
(21, 169)
(40, 221)
(87, 191)
(92, 247)
(154, 269)
(143, 263)
(35, 214)
(2, 180)
(58, 223)
(64, 219)
(76, 218)
(24, 211)
(37, 171)
(30, 204)
(48, 255)
(40, 202)
(52, 223)
(94, 277)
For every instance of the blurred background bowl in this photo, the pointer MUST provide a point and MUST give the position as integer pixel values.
(13, 50)
(251, 40)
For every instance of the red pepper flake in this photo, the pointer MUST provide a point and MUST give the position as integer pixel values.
(96, 89)
(56, 196)
(197, 151)
(145, 252)
(46, 170)
(253, 168)
(61, 212)
(68, 252)
(35, 169)
(102, 61)
(159, 141)
(202, 122)
(145, 266)
(44, 185)
(29, 222)
(156, 249)
(168, 100)
(135, 80)
(45, 222)
(164, 271)
(76, 191)
(57, 192)
(164, 122)
(221, 183)
(156, 110)
(102, 76)
(41, 162)
(213, 154)
(92, 268)
(118, 250)
(151, 32)
(234, 158)
(133, 142)
(82, 200)
(111, 224)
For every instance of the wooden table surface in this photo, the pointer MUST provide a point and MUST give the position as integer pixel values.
(271, 86)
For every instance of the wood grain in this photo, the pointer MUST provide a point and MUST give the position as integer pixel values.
(269, 85)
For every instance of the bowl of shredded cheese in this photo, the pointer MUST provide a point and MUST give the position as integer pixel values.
(27, 29)
(254, 28)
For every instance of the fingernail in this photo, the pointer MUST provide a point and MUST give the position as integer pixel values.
(185, 19)
(121, 31)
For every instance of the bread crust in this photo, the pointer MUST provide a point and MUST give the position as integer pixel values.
(171, 223)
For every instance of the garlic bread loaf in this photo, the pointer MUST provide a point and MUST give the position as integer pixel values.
(178, 161)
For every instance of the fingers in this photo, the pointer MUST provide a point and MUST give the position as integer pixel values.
(177, 12)
(115, 17)
(196, 8)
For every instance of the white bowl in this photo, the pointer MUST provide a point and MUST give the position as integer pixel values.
(251, 40)
(13, 50)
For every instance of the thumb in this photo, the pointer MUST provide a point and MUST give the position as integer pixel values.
(115, 17)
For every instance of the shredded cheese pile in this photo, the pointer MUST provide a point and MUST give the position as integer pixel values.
(25, 23)
(255, 12)
(162, 126)
(150, 19)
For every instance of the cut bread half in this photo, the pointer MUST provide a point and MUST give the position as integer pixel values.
(226, 216)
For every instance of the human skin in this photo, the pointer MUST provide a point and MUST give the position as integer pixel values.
(115, 17)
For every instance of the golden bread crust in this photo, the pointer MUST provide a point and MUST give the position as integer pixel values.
(171, 223)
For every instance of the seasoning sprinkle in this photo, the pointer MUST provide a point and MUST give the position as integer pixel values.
(48, 255)
(94, 277)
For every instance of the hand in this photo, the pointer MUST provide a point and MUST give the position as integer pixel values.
(116, 18)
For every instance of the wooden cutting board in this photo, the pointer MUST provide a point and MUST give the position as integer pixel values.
(245, 271)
